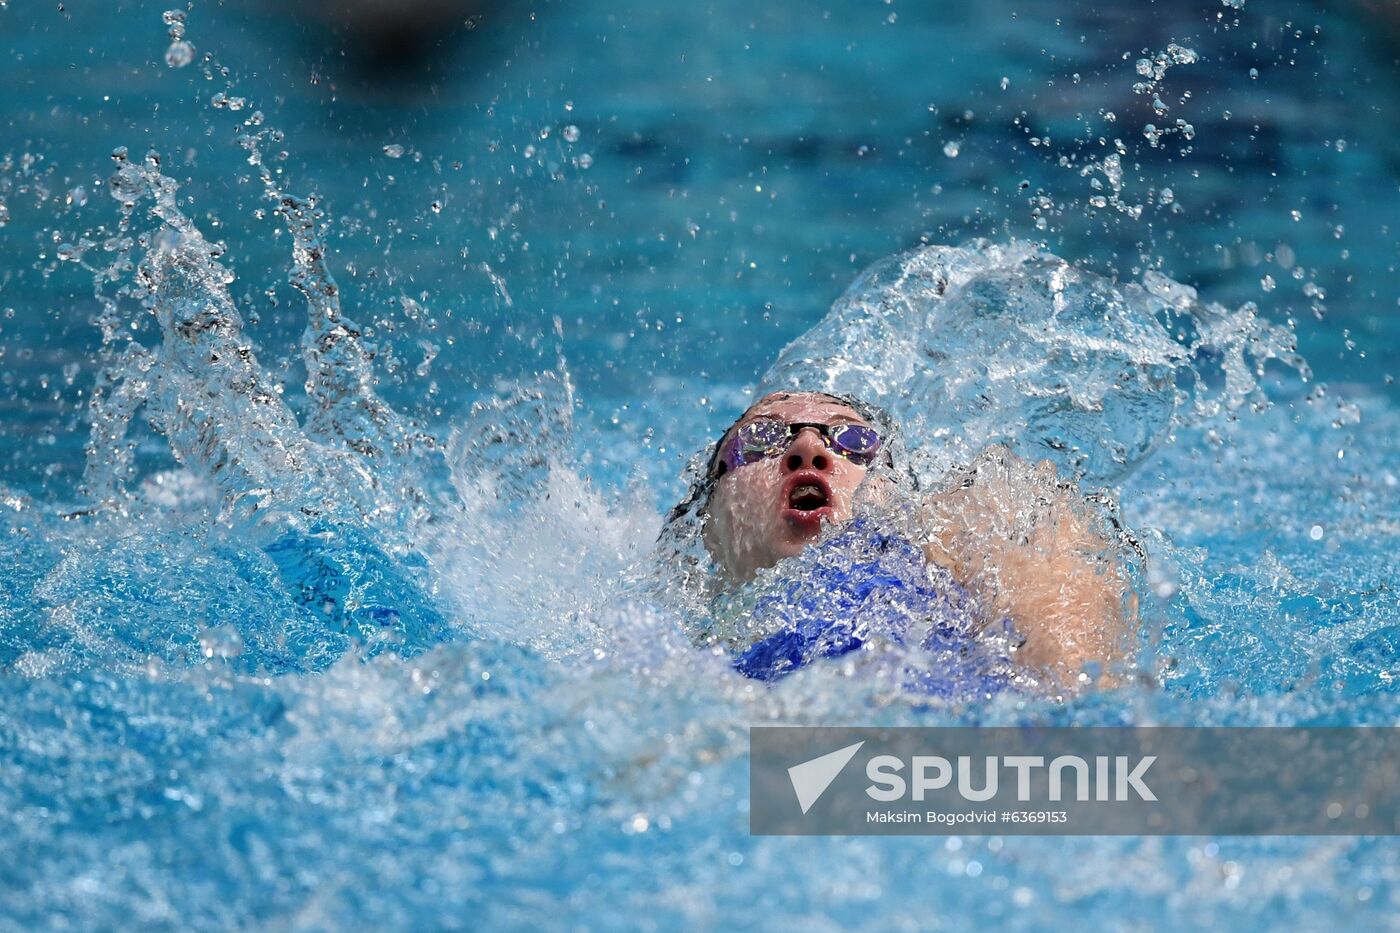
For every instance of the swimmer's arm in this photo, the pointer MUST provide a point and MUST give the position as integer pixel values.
(1030, 547)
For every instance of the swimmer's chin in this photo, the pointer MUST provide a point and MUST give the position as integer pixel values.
(805, 528)
(807, 524)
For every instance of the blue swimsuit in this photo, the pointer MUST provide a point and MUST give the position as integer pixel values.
(865, 583)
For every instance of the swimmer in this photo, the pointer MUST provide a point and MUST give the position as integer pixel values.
(1003, 541)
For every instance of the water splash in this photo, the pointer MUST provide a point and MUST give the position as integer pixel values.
(202, 387)
(1007, 344)
(165, 769)
(530, 550)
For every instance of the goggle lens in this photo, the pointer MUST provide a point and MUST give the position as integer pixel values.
(768, 437)
(855, 442)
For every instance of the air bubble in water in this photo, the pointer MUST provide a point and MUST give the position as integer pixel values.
(951, 149)
(1267, 283)
(585, 161)
(571, 133)
(394, 151)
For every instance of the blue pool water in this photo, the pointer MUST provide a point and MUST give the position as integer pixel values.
(340, 607)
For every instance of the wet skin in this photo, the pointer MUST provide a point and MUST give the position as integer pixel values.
(1023, 543)
(762, 512)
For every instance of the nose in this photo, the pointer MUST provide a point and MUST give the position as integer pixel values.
(807, 452)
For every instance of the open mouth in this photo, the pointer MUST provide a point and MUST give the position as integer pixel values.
(808, 498)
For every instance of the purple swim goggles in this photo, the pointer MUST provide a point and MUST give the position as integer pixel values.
(770, 437)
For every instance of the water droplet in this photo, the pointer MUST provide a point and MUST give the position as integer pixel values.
(126, 183)
(180, 54)
(225, 641)
(1180, 54)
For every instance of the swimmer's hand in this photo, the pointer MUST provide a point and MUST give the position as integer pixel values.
(1029, 545)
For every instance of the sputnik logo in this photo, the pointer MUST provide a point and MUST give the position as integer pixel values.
(811, 778)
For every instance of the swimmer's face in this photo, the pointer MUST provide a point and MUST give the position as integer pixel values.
(764, 511)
